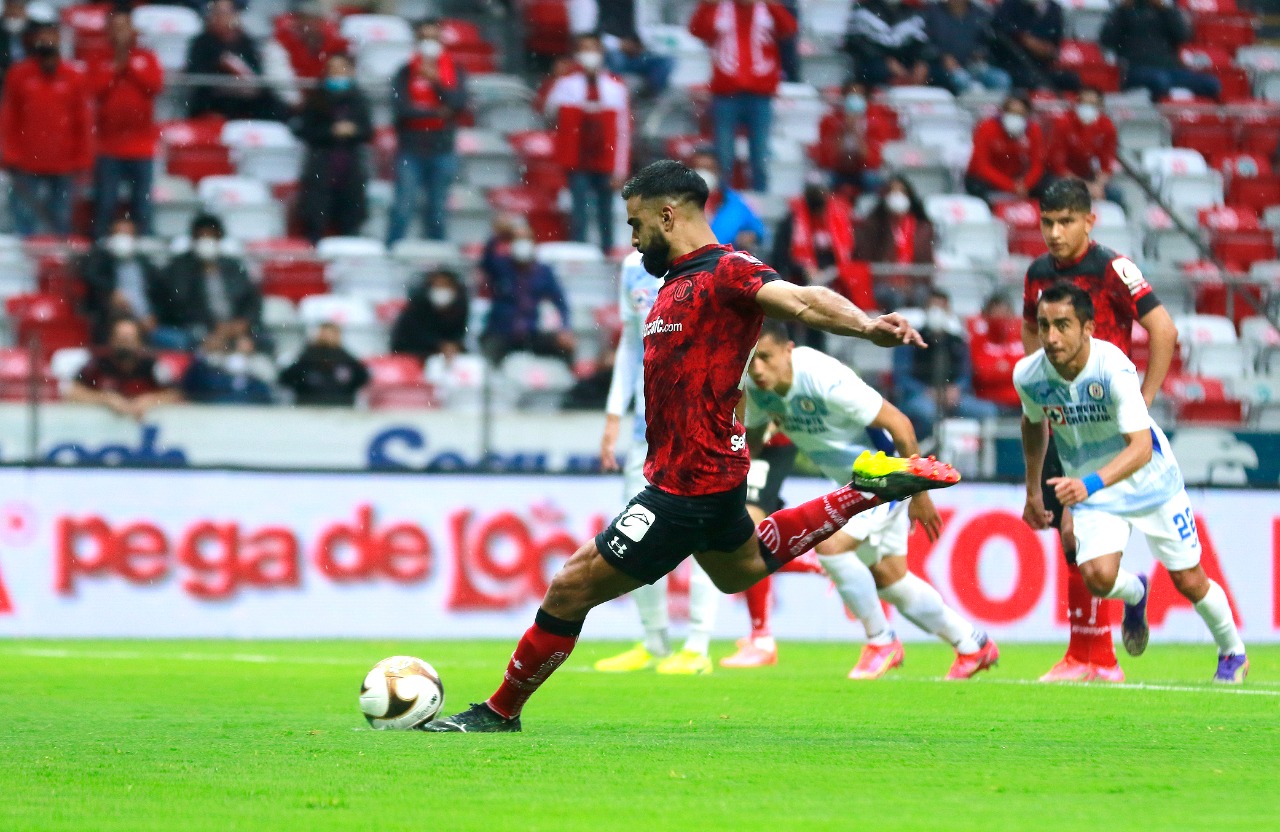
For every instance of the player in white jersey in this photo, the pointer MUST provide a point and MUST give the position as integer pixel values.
(638, 289)
(830, 414)
(1120, 472)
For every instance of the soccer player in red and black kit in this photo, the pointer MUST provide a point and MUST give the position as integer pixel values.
(697, 341)
(1120, 295)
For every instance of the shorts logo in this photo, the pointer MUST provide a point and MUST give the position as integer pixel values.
(1096, 392)
(634, 523)
(617, 547)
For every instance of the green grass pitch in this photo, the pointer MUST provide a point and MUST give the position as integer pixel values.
(215, 735)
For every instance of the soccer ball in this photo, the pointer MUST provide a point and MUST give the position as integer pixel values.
(401, 693)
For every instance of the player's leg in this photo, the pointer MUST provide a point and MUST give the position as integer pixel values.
(650, 599)
(1101, 539)
(1090, 651)
(693, 658)
(857, 588)
(1172, 537)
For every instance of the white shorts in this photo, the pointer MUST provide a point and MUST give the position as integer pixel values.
(882, 532)
(633, 481)
(1170, 530)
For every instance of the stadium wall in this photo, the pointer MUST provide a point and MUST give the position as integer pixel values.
(186, 553)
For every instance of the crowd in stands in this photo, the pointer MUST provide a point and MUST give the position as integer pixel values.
(332, 206)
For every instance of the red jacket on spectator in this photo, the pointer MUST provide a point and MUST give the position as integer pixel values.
(125, 97)
(593, 123)
(995, 345)
(1083, 150)
(45, 123)
(841, 150)
(307, 60)
(743, 38)
(1003, 161)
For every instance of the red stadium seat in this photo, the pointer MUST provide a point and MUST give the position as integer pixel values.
(1260, 133)
(546, 220)
(1256, 194)
(172, 365)
(537, 152)
(88, 26)
(19, 378)
(1226, 219)
(1243, 165)
(1210, 7)
(1241, 249)
(1198, 399)
(396, 381)
(1023, 219)
(1210, 139)
(48, 322)
(194, 148)
(1211, 298)
(468, 47)
(546, 27)
(1228, 31)
(1086, 60)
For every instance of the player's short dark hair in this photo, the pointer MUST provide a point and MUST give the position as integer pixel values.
(1065, 290)
(1067, 194)
(776, 330)
(667, 178)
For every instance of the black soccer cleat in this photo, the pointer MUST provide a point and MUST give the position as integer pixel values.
(896, 478)
(478, 719)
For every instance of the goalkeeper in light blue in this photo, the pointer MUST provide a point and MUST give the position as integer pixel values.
(1120, 472)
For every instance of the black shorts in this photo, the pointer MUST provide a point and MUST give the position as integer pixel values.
(657, 530)
(769, 468)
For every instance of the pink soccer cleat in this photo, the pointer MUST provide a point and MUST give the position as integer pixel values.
(1070, 670)
(967, 665)
(752, 653)
(1107, 673)
(877, 660)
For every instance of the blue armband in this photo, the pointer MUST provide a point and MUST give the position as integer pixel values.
(1093, 483)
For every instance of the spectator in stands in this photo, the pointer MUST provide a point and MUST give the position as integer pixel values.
(591, 392)
(624, 50)
(743, 36)
(995, 345)
(1083, 144)
(1026, 35)
(120, 281)
(125, 86)
(435, 318)
(888, 44)
(936, 383)
(14, 18)
(225, 49)
(1009, 154)
(1146, 34)
(960, 32)
(123, 375)
(427, 96)
(336, 124)
(529, 310)
(46, 129)
(844, 148)
(309, 38)
(732, 220)
(593, 137)
(229, 371)
(897, 231)
(325, 374)
(210, 292)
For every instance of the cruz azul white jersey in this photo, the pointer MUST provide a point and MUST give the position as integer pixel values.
(1089, 417)
(637, 290)
(826, 413)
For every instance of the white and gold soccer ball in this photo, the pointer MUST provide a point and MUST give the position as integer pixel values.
(401, 693)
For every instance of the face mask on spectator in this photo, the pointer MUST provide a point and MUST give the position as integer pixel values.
(522, 249)
(710, 177)
(122, 246)
(338, 83)
(442, 296)
(206, 248)
(1087, 113)
(430, 49)
(897, 202)
(855, 104)
(1015, 124)
(237, 364)
(590, 60)
(936, 318)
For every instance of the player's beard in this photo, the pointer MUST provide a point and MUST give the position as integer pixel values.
(656, 256)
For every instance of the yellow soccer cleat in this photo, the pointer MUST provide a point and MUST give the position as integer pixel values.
(637, 658)
(896, 478)
(685, 663)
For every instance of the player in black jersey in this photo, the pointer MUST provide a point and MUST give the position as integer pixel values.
(1120, 295)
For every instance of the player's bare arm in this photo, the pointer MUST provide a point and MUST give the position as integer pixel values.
(821, 308)
(1137, 453)
(1035, 439)
(609, 442)
(900, 429)
(1162, 341)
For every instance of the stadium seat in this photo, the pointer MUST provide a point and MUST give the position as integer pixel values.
(360, 266)
(536, 150)
(193, 149)
(1022, 218)
(167, 31)
(488, 160)
(87, 24)
(1085, 18)
(460, 382)
(922, 166)
(46, 323)
(264, 150)
(1260, 132)
(246, 206)
(66, 363)
(470, 216)
(967, 228)
(362, 333)
(1086, 60)
(797, 111)
(546, 219)
(1260, 340)
(293, 276)
(539, 382)
(692, 59)
(468, 47)
(421, 255)
(1209, 138)
(1201, 400)
(396, 381)
(1217, 61)
(381, 43)
(19, 378)
(1229, 32)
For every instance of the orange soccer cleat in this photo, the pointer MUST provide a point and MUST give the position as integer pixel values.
(967, 665)
(757, 652)
(877, 660)
(1070, 670)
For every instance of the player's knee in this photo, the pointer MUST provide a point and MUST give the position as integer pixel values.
(1099, 578)
(1192, 583)
(569, 595)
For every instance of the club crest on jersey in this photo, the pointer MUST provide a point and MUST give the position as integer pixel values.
(1096, 392)
(806, 405)
(683, 290)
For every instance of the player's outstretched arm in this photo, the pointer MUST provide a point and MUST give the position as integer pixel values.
(1035, 440)
(821, 308)
(1137, 453)
(1162, 335)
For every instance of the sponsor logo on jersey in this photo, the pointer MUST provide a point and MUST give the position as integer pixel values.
(635, 523)
(1077, 414)
(659, 326)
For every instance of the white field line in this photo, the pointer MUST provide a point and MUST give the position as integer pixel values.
(1251, 688)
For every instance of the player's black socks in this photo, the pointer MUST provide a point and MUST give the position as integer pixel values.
(557, 626)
